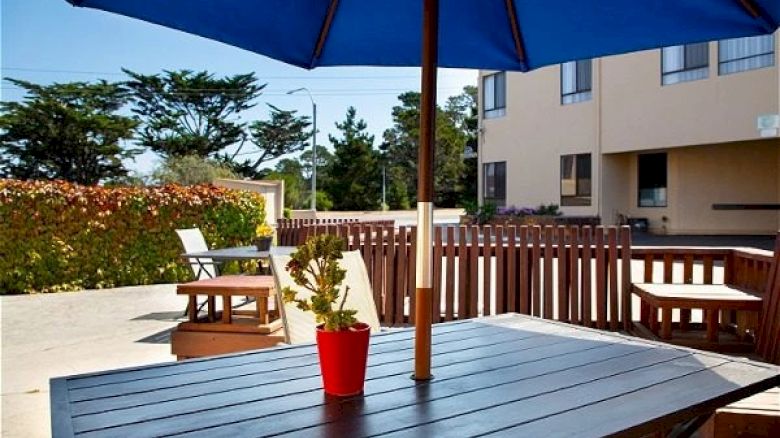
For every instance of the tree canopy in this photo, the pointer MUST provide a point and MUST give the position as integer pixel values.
(353, 177)
(66, 131)
(401, 143)
(283, 134)
(191, 113)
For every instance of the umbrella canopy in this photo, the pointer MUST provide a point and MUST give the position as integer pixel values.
(487, 34)
(480, 34)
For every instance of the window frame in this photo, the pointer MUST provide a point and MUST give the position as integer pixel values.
(685, 69)
(585, 93)
(771, 53)
(639, 186)
(498, 188)
(499, 101)
(580, 198)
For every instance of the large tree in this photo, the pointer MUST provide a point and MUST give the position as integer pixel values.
(324, 160)
(284, 133)
(401, 143)
(295, 191)
(463, 111)
(67, 131)
(191, 113)
(353, 177)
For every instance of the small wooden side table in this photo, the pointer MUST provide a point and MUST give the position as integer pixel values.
(711, 298)
(230, 330)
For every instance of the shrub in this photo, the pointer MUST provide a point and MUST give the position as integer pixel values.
(57, 236)
(191, 170)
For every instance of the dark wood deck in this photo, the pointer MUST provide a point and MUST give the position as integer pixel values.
(507, 375)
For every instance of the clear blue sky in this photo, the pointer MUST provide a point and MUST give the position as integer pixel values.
(50, 41)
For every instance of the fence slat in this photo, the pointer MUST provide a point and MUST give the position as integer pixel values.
(437, 253)
(511, 269)
(574, 274)
(708, 267)
(563, 283)
(449, 282)
(462, 272)
(487, 261)
(473, 290)
(377, 247)
(625, 253)
(368, 251)
(411, 282)
(688, 269)
(389, 267)
(536, 232)
(400, 277)
(614, 309)
(587, 311)
(500, 271)
(601, 277)
(648, 278)
(548, 271)
(524, 280)
(668, 268)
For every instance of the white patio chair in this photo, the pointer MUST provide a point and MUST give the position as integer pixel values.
(300, 326)
(192, 240)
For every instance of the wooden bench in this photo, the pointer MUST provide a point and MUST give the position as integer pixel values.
(230, 330)
(756, 416)
(710, 298)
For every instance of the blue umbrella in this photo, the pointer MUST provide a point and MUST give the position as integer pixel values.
(487, 34)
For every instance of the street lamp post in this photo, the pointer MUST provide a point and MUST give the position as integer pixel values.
(313, 146)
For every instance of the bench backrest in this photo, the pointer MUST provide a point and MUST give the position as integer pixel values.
(768, 336)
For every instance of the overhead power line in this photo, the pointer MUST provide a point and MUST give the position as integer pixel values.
(298, 77)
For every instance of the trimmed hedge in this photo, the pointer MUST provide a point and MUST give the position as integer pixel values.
(57, 236)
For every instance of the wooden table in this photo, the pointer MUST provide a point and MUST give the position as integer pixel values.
(236, 253)
(232, 330)
(711, 298)
(508, 375)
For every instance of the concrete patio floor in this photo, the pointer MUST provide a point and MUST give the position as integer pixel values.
(50, 335)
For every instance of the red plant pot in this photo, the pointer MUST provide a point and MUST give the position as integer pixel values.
(343, 355)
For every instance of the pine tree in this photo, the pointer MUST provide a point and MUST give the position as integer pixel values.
(353, 179)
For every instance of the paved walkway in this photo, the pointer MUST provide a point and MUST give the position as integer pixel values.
(50, 335)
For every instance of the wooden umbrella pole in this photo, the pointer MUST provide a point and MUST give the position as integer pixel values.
(424, 293)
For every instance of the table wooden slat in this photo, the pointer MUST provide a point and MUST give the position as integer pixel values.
(507, 375)
(245, 403)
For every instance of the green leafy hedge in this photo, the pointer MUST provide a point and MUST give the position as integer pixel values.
(57, 236)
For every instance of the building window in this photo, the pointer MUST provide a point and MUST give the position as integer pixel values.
(494, 95)
(652, 180)
(575, 180)
(685, 63)
(576, 81)
(741, 54)
(494, 178)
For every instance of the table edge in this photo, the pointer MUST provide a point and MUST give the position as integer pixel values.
(59, 406)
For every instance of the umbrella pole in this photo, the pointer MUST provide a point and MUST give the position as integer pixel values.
(424, 292)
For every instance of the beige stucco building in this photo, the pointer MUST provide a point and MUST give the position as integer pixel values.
(670, 135)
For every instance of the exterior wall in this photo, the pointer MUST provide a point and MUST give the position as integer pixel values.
(532, 136)
(712, 121)
(745, 172)
(640, 114)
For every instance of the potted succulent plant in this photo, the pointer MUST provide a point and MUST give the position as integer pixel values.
(342, 341)
(264, 235)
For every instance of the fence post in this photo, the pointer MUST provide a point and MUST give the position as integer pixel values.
(625, 238)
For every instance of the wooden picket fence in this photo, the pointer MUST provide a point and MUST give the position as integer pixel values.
(293, 232)
(571, 274)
